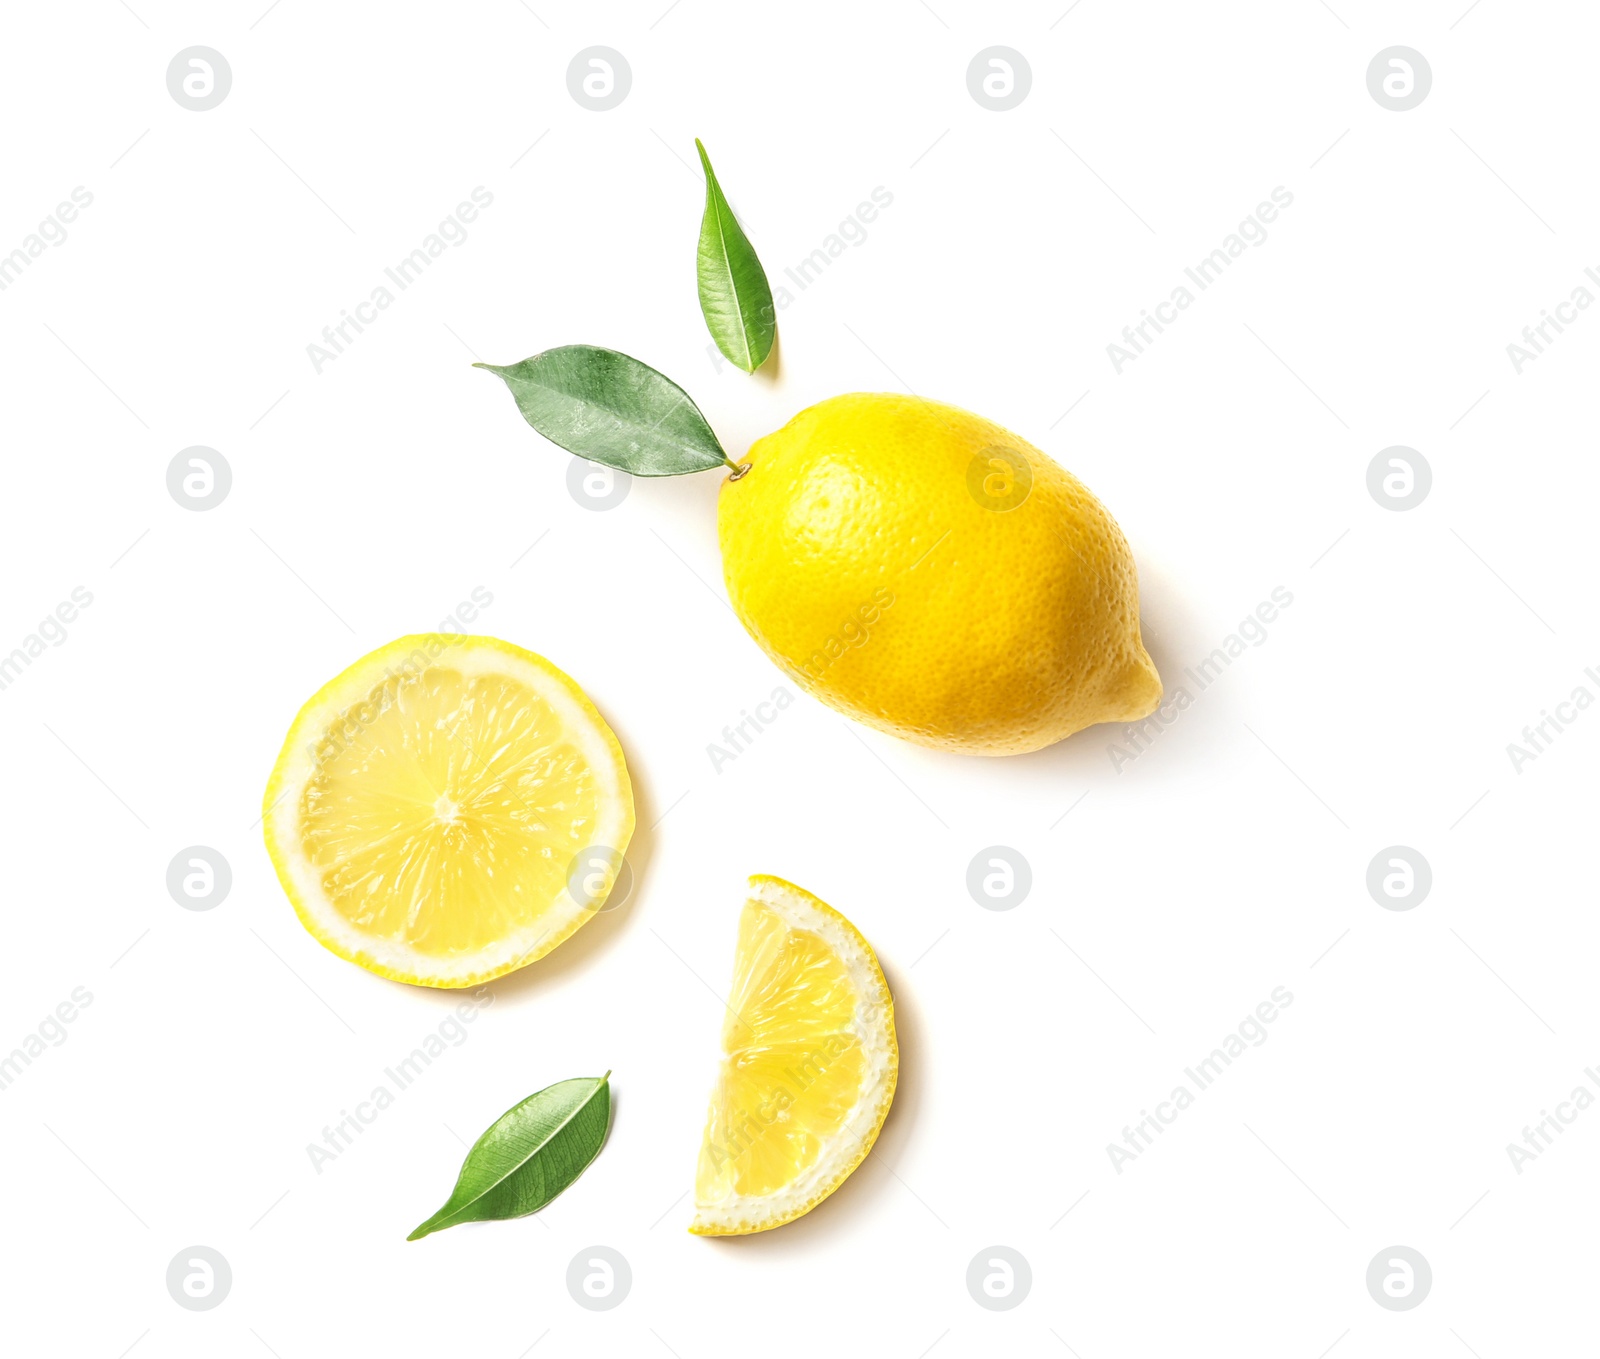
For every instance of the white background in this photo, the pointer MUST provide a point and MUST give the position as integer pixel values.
(1229, 859)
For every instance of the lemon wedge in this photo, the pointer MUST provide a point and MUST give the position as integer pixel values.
(808, 1067)
(448, 809)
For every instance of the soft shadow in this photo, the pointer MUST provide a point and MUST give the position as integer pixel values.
(1165, 624)
(872, 1178)
(772, 370)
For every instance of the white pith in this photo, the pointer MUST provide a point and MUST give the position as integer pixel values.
(298, 764)
(873, 1027)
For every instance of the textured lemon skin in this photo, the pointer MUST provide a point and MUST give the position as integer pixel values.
(279, 817)
(862, 553)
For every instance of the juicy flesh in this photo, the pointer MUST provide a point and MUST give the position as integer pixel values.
(449, 819)
(792, 1067)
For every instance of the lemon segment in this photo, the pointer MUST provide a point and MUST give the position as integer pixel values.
(430, 803)
(808, 1069)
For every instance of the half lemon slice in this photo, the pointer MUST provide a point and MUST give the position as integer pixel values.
(808, 1068)
(447, 810)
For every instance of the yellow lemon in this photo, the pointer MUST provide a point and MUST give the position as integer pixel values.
(809, 1064)
(931, 574)
(448, 809)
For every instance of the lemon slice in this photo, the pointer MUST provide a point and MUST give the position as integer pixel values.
(808, 1069)
(447, 810)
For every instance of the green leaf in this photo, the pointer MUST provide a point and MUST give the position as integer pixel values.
(530, 1154)
(734, 294)
(612, 409)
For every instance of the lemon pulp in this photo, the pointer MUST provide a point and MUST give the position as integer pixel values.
(808, 1068)
(431, 812)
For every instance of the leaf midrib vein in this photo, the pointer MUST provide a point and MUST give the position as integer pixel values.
(721, 204)
(623, 416)
(545, 1142)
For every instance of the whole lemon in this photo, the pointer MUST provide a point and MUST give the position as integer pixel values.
(929, 573)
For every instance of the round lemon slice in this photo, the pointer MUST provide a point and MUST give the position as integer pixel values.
(447, 810)
(808, 1067)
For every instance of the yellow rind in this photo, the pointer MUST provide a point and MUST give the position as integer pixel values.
(860, 556)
